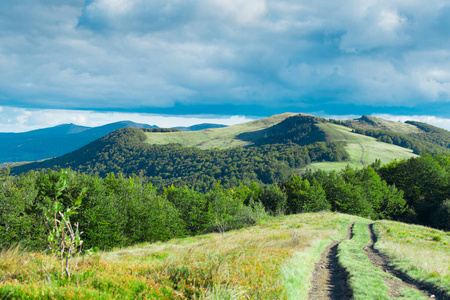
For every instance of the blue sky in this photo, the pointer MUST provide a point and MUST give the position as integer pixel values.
(172, 61)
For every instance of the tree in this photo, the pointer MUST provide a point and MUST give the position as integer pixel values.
(63, 236)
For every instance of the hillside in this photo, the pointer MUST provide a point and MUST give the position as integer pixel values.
(305, 256)
(55, 141)
(266, 151)
(420, 137)
(221, 138)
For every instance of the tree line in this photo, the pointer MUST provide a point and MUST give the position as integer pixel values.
(119, 210)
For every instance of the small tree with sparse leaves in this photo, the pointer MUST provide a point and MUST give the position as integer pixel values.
(63, 237)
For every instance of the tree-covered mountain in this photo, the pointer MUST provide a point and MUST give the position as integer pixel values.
(265, 151)
(125, 151)
(54, 141)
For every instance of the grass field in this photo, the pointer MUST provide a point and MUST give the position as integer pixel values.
(368, 122)
(272, 260)
(363, 150)
(421, 252)
(221, 138)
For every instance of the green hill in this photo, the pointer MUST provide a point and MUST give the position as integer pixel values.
(266, 150)
(419, 137)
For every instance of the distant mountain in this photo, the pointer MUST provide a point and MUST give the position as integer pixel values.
(200, 127)
(54, 141)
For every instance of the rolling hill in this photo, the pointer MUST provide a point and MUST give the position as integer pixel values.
(266, 151)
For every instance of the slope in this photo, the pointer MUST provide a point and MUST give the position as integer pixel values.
(221, 138)
(266, 151)
(419, 137)
(362, 150)
(275, 259)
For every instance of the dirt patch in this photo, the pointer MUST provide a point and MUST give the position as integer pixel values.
(329, 279)
(402, 280)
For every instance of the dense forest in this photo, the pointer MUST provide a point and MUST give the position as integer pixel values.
(117, 210)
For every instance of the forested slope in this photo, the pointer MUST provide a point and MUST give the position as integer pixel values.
(124, 151)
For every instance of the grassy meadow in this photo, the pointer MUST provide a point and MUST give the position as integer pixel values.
(221, 138)
(363, 150)
(272, 260)
(422, 253)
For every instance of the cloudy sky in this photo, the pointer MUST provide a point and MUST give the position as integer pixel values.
(173, 62)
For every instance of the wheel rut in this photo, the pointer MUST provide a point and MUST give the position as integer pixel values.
(329, 279)
(383, 262)
(362, 160)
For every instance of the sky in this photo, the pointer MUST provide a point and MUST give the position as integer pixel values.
(173, 62)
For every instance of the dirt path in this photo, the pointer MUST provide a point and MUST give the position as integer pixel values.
(329, 278)
(382, 261)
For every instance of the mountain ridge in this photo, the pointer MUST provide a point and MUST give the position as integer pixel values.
(266, 150)
(54, 141)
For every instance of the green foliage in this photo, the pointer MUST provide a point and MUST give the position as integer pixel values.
(193, 208)
(40, 208)
(63, 240)
(123, 151)
(425, 181)
(360, 192)
(274, 200)
(305, 197)
(17, 224)
(441, 216)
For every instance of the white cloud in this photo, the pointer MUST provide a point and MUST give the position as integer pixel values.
(13, 119)
(432, 120)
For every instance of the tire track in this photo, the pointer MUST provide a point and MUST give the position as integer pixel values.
(363, 149)
(363, 154)
(382, 262)
(329, 279)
